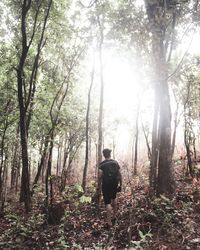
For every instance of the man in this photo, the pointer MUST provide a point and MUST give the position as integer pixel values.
(110, 180)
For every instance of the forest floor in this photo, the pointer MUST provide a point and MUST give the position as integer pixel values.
(142, 222)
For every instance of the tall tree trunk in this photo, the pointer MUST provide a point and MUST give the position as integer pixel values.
(87, 130)
(161, 138)
(26, 101)
(25, 188)
(100, 122)
(165, 180)
(29, 106)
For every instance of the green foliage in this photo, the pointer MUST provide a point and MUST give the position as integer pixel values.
(137, 245)
(197, 170)
(85, 199)
(78, 188)
(17, 227)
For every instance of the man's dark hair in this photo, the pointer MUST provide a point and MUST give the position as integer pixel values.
(106, 152)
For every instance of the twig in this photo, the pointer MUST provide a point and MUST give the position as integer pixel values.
(179, 64)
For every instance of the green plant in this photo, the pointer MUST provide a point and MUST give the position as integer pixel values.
(18, 228)
(62, 243)
(78, 188)
(137, 244)
(85, 199)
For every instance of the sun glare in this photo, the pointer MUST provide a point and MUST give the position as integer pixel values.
(121, 86)
(123, 91)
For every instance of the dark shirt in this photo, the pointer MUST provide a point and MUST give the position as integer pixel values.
(109, 167)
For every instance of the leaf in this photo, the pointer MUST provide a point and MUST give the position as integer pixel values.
(79, 188)
(196, 240)
(85, 199)
(141, 234)
(165, 198)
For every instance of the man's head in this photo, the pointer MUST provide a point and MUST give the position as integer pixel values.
(107, 152)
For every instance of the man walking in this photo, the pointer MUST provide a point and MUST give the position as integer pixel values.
(110, 180)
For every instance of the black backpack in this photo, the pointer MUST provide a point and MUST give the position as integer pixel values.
(110, 172)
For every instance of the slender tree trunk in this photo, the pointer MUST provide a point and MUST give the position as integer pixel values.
(32, 85)
(187, 146)
(59, 157)
(64, 172)
(15, 164)
(71, 158)
(175, 128)
(2, 156)
(136, 142)
(87, 130)
(48, 179)
(147, 142)
(4, 182)
(42, 162)
(100, 122)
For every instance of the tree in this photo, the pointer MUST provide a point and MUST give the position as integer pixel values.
(87, 129)
(159, 14)
(24, 101)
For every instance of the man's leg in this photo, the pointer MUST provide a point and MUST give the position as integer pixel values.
(108, 214)
(114, 205)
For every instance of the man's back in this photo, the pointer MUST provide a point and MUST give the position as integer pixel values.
(110, 169)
